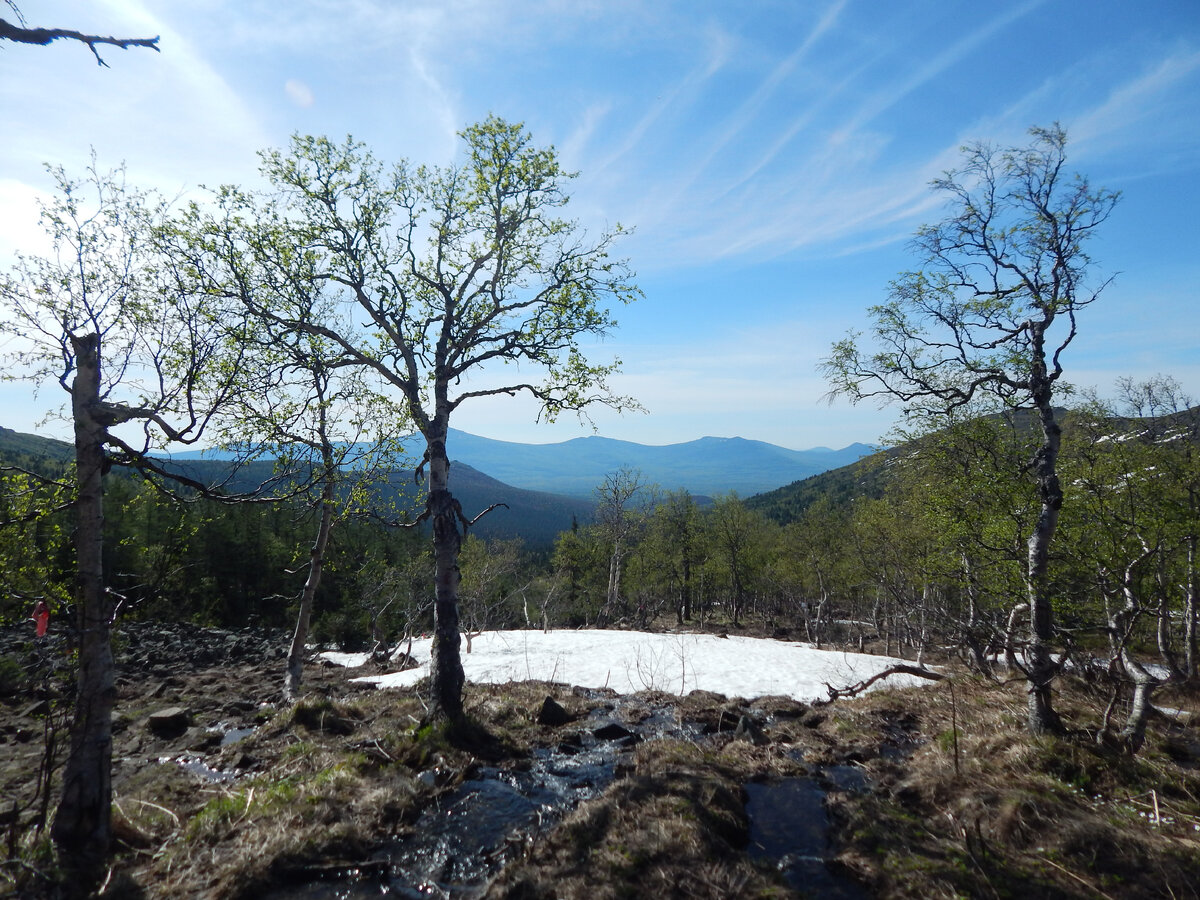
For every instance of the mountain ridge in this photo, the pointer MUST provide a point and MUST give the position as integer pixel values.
(706, 466)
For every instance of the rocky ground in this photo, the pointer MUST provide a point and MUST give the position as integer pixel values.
(221, 792)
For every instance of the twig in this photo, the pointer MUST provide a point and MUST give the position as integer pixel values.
(155, 805)
(1082, 881)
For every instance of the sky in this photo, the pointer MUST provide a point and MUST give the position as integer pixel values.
(772, 156)
(632, 661)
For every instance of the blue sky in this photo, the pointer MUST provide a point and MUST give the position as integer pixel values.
(773, 156)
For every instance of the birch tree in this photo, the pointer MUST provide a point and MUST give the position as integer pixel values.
(98, 316)
(622, 504)
(465, 284)
(990, 313)
(323, 419)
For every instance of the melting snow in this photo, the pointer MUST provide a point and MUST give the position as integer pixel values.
(630, 661)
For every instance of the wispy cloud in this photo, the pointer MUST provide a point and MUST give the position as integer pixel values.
(1130, 105)
(751, 108)
(894, 91)
(713, 59)
(838, 184)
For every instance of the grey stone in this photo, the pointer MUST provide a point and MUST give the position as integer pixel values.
(170, 722)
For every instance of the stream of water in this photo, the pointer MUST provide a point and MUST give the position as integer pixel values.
(458, 845)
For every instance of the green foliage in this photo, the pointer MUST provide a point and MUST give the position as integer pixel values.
(33, 545)
(348, 630)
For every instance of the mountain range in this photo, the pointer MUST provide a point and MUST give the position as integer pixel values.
(705, 467)
(546, 486)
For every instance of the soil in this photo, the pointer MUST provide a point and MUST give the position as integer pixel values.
(221, 791)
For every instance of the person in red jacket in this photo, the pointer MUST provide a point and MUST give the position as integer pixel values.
(41, 615)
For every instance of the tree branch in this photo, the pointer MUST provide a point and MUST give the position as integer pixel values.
(855, 689)
(43, 36)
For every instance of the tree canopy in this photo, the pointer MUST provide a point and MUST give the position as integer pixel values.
(464, 281)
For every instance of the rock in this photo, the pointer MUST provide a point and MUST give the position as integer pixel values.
(812, 719)
(730, 716)
(245, 761)
(37, 710)
(552, 713)
(170, 722)
(202, 740)
(615, 732)
(749, 730)
(571, 743)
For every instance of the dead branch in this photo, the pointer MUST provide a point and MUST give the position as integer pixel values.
(43, 36)
(855, 689)
(467, 523)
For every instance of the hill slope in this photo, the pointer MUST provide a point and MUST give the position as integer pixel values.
(705, 467)
(866, 477)
(37, 454)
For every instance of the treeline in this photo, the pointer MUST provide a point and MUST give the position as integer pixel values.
(925, 554)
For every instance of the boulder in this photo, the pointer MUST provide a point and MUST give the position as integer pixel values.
(170, 722)
(618, 733)
(552, 713)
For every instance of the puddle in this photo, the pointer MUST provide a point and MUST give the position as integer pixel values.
(788, 824)
(233, 735)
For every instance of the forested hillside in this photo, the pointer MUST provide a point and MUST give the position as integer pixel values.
(232, 563)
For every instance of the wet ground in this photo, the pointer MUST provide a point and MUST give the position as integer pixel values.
(461, 842)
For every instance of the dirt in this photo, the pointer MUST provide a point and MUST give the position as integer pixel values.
(222, 792)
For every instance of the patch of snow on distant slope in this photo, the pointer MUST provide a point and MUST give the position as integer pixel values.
(630, 661)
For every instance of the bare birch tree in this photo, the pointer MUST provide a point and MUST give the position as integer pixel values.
(990, 314)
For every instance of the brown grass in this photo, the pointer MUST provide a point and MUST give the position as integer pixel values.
(1018, 816)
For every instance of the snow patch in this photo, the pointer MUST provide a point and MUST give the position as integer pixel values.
(630, 661)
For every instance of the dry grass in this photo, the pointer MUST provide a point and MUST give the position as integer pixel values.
(1012, 815)
(326, 780)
